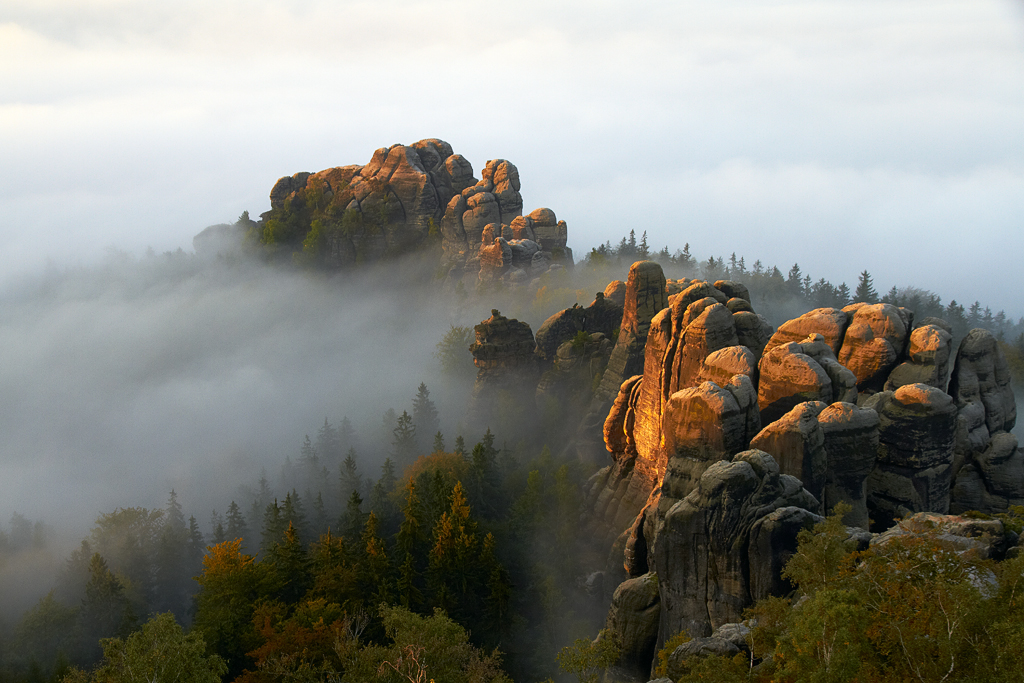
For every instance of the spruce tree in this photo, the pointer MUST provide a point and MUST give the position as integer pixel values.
(403, 440)
(865, 289)
(350, 477)
(424, 416)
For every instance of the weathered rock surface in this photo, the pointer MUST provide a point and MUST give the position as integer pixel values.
(793, 373)
(830, 323)
(797, 442)
(873, 343)
(980, 385)
(927, 362)
(913, 473)
(645, 296)
(412, 198)
(633, 621)
(506, 363)
(722, 547)
(851, 446)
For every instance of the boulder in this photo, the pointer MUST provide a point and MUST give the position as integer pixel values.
(788, 377)
(616, 292)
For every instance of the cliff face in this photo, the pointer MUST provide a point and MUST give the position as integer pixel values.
(415, 198)
(729, 439)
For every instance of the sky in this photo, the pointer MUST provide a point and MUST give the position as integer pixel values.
(843, 135)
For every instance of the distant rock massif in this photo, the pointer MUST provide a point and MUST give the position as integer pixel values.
(728, 437)
(408, 199)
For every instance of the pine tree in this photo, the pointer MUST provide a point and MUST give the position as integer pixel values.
(376, 565)
(173, 581)
(865, 289)
(643, 251)
(261, 500)
(290, 566)
(438, 442)
(196, 547)
(320, 519)
(460, 445)
(293, 513)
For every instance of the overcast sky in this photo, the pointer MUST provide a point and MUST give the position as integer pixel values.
(843, 135)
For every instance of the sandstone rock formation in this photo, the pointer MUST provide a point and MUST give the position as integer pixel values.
(413, 198)
(723, 546)
(792, 373)
(506, 368)
(927, 359)
(633, 621)
(988, 461)
(851, 446)
(916, 431)
(873, 343)
(797, 442)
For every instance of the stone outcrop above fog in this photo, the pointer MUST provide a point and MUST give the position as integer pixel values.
(839, 406)
(421, 197)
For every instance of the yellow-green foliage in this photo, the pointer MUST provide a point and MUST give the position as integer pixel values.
(661, 670)
(586, 659)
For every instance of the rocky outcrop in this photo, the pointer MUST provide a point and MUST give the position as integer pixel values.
(506, 368)
(792, 373)
(927, 359)
(633, 622)
(797, 442)
(913, 472)
(851, 446)
(645, 296)
(413, 198)
(874, 342)
(723, 546)
(989, 465)
(830, 323)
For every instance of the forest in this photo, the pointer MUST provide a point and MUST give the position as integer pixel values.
(394, 551)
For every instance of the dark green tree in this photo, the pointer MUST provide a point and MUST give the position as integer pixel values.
(865, 289)
(403, 441)
(424, 417)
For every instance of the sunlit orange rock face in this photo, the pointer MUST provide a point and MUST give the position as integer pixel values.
(734, 437)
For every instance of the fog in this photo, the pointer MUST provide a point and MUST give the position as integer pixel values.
(889, 133)
(166, 371)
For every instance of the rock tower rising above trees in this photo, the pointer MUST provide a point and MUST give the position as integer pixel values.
(418, 198)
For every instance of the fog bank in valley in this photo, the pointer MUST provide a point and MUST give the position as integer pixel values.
(145, 374)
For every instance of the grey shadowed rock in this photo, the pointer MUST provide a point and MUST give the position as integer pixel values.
(722, 546)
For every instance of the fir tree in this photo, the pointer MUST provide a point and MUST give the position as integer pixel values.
(438, 442)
